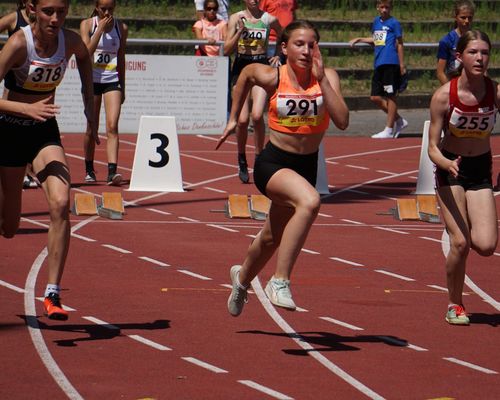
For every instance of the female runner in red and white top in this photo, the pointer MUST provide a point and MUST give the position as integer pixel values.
(465, 110)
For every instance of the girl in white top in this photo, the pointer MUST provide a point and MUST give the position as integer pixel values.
(33, 62)
(105, 38)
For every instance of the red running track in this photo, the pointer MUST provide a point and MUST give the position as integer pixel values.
(148, 293)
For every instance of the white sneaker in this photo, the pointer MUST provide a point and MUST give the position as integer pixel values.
(238, 296)
(278, 292)
(399, 125)
(382, 135)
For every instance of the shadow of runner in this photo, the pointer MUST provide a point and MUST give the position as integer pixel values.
(485, 319)
(93, 331)
(332, 342)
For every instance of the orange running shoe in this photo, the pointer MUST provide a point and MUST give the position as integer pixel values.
(53, 307)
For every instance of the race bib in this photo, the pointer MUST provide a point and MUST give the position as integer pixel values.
(105, 60)
(44, 77)
(253, 37)
(379, 38)
(472, 124)
(296, 110)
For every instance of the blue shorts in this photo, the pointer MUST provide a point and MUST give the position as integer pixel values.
(21, 139)
(474, 173)
(272, 159)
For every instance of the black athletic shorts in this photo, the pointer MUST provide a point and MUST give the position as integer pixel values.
(22, 139)
(272, 159)
(386, 80)
(101, 88)
(474, 172)
(242, 60)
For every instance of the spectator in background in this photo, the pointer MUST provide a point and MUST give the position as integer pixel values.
(248, 36)
(210, 28)
(447, 64)
(105, 38)
(387, 37)
(222, 13)
(284, 10)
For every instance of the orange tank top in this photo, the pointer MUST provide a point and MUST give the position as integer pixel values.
(295, 111)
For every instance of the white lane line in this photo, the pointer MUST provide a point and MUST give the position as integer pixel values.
(356, 167)
(149, 343)
(36, 333)
(445, 246)
(214, 189)
(300, 309)
(430, 239)
(350, 221)
(443, 289)
(404, 278)
(223, 228)
(87, 239)
(324, 215)
(12, 287)
(346, 261)
(310, 251)
(341, 323)
(188, 219)
(311, 351)
(485, 296)
(470, 365)
(391, 230)
(385, 172)
(153, 261)
(266, 390)
(203, 278)
(158, 211)
(372, 152)
(115, 248)
(401, 343)
(205, 365)
(100, 322)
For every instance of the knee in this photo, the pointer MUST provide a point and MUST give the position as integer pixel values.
(375, 99)
(9, 230)
(257, 116)
(310, 204)
(485, 249)
(243, 123)
(461, 246)
(267, 240)
(59, 206)
(112, 129)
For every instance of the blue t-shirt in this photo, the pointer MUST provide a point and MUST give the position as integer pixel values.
(385, 36)
(447, 49)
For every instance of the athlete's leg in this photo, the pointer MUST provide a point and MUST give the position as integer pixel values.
(482, 214)
(11, 189)
(453, 206)
(295, 205)
(52, 170)
(88, 140)
(112, 107)
(259, 97)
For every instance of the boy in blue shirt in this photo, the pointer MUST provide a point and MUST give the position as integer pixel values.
(387, 37)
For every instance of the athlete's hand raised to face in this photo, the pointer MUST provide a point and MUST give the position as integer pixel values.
(318, 68)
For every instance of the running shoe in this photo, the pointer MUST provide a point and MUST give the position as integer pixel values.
(399, 125)
(278, 292)
(238, 296)
(90, 177)
(456, 315)
(383, 135)
(114, 179)
(243, 170)
(29, 182)
(53, 307)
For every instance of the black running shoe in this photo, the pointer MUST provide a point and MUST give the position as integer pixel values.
(243, 168)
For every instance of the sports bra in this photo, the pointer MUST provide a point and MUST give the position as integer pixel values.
(295, 111)
(475, 121)
(38, 75)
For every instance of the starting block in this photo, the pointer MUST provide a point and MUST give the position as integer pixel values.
(237, 206)
(85, 204)
(259, 206)
(422, 208)
(112, 205)
(243, 206)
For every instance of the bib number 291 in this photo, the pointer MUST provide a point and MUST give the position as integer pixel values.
(161, 150)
